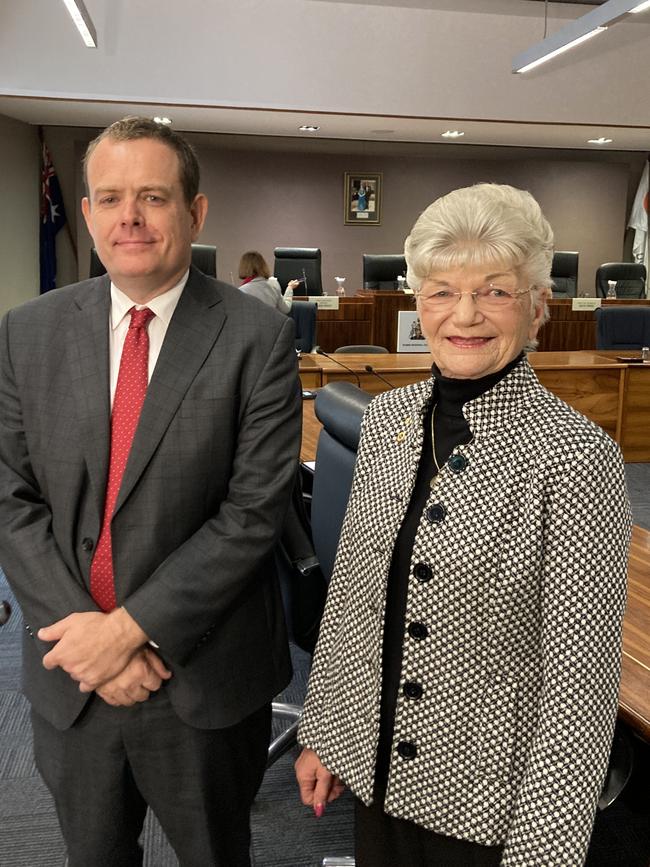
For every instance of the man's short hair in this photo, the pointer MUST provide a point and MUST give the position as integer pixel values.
(132, 128)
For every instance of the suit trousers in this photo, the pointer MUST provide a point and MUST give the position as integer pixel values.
(105, 769)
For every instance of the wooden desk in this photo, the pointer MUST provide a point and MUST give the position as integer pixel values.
(587, 381)
(310, 371)
(386, 306)
(398, 369)
(635, 420)
(569, 330)
(634, 699)
(351, 324)
(614, 395)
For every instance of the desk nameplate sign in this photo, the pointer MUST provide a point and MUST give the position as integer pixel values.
(586, 303)
(325, 302)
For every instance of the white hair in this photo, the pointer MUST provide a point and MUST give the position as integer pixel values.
(483, 225)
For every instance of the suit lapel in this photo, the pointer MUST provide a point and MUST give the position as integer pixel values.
(192, 332)
(88, 358)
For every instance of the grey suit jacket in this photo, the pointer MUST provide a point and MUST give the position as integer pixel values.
(518, 591)
(201, 503)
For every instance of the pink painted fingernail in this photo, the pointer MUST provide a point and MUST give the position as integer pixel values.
(319, 810)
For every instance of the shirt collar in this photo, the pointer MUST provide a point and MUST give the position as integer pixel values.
(162, 305)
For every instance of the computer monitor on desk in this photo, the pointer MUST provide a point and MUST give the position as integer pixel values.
(381, 271)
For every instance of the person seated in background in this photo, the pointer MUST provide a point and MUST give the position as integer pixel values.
(257, 281)
(466, 676)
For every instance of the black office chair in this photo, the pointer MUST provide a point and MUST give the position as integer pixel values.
(204, 257)
(5, 612)
(303, 314)
(362, 348)
(381, 270)
(96, 264)
(564, 274)
(299, 263)
(630, 279)
(339, 407)
(625, 327)
(619, 770)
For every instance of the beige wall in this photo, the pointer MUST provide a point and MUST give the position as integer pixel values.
(264, 194)
(262, 200)
(19, 203)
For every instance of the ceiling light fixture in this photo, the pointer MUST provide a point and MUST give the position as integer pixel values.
(308, 128)
(83, 22)
(164, 121)
(452, 133)
(600, 140)
(576, 32)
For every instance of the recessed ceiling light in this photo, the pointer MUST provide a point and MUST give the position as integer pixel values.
(600, 140)
(308, 128)
(165, 121)
(452, 133)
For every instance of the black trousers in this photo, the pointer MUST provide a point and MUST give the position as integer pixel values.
(113, 762)
(384, 841)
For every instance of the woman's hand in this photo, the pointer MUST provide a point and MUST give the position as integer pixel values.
(317, 785)
(293, 285)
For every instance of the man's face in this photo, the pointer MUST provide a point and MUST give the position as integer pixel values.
(138, 217)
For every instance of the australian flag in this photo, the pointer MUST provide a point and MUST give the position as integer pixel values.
(52, 219)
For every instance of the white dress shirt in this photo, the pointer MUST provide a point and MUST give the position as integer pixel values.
(162, 306)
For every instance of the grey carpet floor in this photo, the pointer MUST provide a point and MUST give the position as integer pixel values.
(284, 834)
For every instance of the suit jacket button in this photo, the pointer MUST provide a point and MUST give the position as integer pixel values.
(423, 572)
(407, 750)
(436, 513)
(417, 630)
(412, 689)
(457, 463)
(87, 544)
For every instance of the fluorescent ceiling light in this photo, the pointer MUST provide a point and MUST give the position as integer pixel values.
(83, 22)
(452, 133)
(575, 32)
(164, 121)
(560, 50)
(600, 140)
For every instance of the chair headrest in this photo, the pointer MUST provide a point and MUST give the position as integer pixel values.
(340, 407)
(297, 253)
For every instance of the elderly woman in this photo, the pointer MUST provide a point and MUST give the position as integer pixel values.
(466, 676)
(256, 279)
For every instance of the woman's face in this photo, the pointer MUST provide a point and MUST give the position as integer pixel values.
(468, 341)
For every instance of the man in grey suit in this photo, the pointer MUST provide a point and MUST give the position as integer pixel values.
(149, 432)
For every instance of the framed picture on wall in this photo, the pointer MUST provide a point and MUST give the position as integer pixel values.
(362, 198)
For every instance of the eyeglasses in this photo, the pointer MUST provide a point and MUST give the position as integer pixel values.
(490, 297)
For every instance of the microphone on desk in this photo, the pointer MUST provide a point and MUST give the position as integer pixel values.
(370, 369)
(340, 363)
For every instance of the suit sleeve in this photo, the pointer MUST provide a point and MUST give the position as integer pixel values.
(44, 586)
(586, 538)
(214, 569)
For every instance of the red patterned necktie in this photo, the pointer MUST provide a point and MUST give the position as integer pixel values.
(127, 404)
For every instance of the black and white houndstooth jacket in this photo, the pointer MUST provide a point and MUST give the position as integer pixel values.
(513, 622)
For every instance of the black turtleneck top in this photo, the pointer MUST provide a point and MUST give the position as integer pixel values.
(450, 429)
